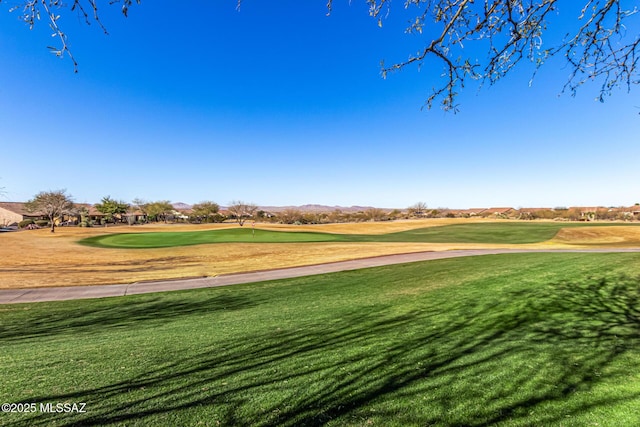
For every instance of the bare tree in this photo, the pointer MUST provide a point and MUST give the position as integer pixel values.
(598, 46)
(52, 204)
(291, 216)
(241, 210)
(418, 209)
(139, 204)
(375, 214)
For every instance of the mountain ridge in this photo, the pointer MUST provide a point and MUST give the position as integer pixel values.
(311, 207)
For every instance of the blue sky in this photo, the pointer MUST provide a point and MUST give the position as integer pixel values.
(279, 104)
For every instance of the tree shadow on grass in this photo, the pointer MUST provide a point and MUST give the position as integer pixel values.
(111, 313)
(531, 357)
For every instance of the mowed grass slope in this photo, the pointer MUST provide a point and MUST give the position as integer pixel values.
(484, 233)
(515, 340)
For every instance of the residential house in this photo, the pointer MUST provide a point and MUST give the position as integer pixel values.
(472, 212)
(501, 212)
(12, 213)
(537, 213)
(588, 213)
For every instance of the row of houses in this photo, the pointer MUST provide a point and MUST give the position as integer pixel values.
(587, 213)
(13, 213)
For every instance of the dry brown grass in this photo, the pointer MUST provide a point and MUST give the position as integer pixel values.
(39, 258)
(610, 236)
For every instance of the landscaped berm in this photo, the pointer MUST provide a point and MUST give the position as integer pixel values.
(529, 339)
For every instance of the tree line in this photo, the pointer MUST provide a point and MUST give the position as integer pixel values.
(56, 204)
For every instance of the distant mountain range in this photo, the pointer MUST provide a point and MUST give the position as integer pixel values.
(179, 206)
(303, 208)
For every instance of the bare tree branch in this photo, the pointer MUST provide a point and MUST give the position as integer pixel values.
(33, 10)
(600, 46)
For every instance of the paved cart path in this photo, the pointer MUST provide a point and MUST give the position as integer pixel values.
(10, 296)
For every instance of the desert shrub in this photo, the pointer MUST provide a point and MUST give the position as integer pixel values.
(216, 217)
(23, 224)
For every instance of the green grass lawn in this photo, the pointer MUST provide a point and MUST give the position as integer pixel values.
(505, 232)
(186, 238)
(514, 340)
(486, 232)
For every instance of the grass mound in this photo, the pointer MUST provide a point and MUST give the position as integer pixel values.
(517, 340)
(488, 232)
(605, 235)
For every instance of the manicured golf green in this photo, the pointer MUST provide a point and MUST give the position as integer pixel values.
(513, 340)
(507, 233)
(187, 238)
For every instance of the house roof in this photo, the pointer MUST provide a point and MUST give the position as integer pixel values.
(534, 209)
(500, 210)
(588, 208)
(18, 208)
(473, 210)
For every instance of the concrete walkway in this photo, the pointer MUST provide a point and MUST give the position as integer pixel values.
(10, 296)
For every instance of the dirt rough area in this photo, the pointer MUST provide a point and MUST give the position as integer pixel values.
(609, 236)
